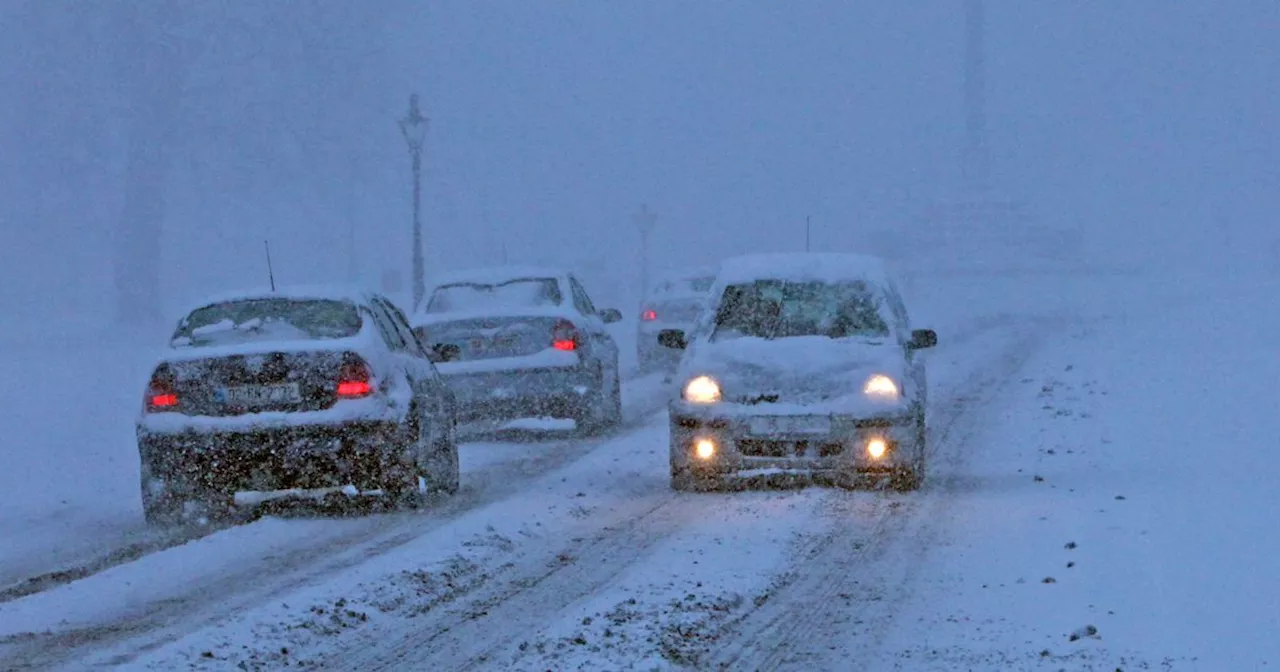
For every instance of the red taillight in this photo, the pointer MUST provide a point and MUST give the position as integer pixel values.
(649, 315)
(164, 400)
(354, 389)
(564, 336)
(162, 394)
(354, 378)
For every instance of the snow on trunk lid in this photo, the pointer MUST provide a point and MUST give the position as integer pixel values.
(252, 383)
(494, 337)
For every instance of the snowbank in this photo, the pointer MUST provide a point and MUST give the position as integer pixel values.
(1121, 516)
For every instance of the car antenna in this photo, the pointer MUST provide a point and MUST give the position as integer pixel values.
(270, 273)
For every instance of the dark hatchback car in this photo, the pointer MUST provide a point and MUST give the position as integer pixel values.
(297, 393)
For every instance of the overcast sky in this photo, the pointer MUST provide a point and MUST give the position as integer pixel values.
(1149, 121)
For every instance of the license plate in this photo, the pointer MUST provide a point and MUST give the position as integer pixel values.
(262, 395)
(782, 425)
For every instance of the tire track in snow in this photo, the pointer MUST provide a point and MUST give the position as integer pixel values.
(261, 578)
(515, 601)
(848, 580)
(470, 632)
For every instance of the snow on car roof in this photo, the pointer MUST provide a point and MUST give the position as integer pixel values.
(688, 274)
(490, 275)
(350, 293)
(803, 266)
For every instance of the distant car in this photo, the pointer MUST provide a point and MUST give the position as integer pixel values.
(805, 366)
(524, 342)
(277, 393)
(674, 303)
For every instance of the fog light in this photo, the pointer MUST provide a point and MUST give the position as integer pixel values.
(876, 448)
(705, 449)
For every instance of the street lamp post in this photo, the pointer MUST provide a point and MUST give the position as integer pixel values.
(414, 128)
(645, 221)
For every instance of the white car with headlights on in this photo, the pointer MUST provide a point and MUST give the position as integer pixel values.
(804, 367)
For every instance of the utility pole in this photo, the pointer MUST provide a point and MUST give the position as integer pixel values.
(414, 128)
(645, 221)
(806, 232)
(975, 164)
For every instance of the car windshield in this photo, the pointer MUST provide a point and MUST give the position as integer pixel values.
(268, 320)
(780, 309)
(475, 296)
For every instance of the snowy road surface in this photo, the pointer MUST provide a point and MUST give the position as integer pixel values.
(1079, 515)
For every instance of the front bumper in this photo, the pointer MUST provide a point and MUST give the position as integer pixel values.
(215, 465)
(522, 393)
(764, 446)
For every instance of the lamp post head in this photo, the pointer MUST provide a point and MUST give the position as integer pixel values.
(414, 125)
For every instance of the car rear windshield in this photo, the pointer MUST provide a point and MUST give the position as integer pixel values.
(475, 296)
(701, 284)
(780, 309)
(254, 320)
(686, 287)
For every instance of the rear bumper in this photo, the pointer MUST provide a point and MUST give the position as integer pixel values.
(215, 465)
(521, 393)
(839, 452)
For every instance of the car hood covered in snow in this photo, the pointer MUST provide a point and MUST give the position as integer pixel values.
(803, 373)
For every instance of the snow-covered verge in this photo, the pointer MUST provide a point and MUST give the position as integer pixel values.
(1118, 516)
(70, 475)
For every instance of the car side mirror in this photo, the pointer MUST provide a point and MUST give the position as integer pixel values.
(446, 352)
(672, 338)
(922, 339)
(610, 315)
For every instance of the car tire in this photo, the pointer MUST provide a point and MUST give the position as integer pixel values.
(604, 411)
(443, 473)
(615, 398)
(400, 481)
(911, 478)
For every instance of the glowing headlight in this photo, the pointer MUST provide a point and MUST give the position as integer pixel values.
(882, 387)
(702, 390)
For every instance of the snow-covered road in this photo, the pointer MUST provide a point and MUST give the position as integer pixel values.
(1075, 518)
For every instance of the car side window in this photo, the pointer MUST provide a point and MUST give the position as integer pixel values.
(899, 310)
(389, 332)
(580, 298)
(401, 323)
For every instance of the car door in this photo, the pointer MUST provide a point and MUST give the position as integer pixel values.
(429, 384)
(602, 343)
(902, 331)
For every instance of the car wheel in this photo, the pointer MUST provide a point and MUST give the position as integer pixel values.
(615, 398)
(400, 480)
(604, 411)
(911, 478)
(443, 474)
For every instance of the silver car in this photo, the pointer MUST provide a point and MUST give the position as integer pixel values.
(675, 303)
(521, 342)
(804, 367)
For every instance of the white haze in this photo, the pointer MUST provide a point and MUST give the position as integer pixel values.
(1149, 126)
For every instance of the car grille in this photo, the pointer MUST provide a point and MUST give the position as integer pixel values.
(773, 448)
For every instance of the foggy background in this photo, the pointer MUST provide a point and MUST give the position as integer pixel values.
(189, 132)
